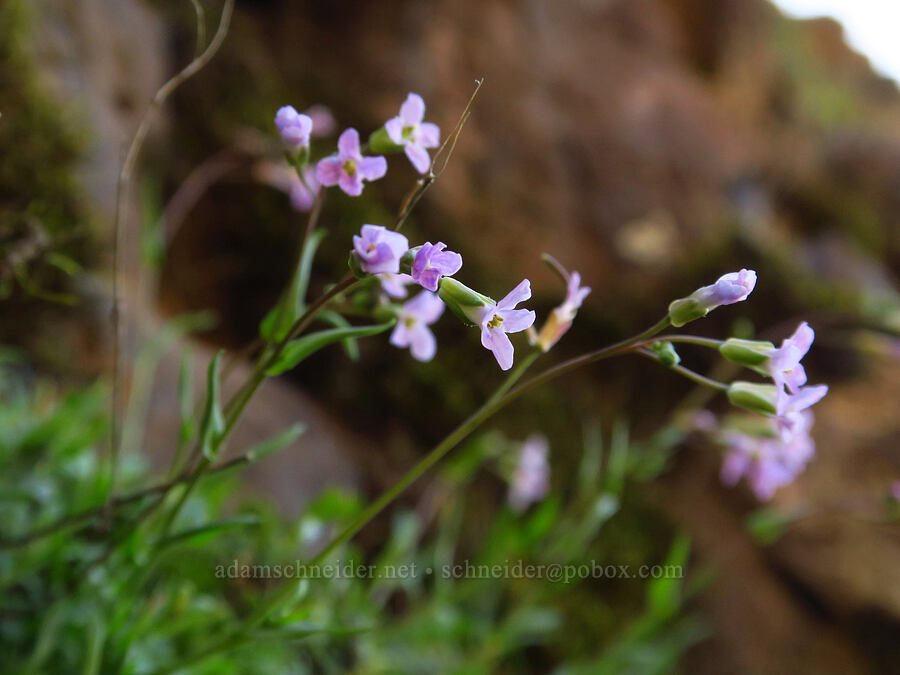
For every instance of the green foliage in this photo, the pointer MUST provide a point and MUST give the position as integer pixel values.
(212, 424)
(104, 594)
(301, 348)
(277, 323)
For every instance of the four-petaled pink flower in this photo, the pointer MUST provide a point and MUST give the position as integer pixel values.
(349, 168)
(379, 250)
(784, 363)
(432, 262)
(412, 326)
(294, 127)
(408, 129)
(498, 320)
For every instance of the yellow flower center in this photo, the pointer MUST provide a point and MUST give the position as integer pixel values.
(350, 167)
(496, 322)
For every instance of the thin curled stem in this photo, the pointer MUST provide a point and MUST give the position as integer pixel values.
(122, 191)
(449, 144)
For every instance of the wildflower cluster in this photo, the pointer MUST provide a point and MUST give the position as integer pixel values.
(772, 453)
(769, 454)
(772, 457)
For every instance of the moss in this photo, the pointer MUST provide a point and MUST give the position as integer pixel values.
(44, 237)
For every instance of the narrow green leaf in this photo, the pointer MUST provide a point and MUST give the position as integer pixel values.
(589, 471)
(338, 321)
(307, 255)
(276, 324)
(93, 659)
(294, 352)
(664, 593)
(213, 423)
(302, 631)
(63, 263)
(276, 443)
(206, 533)
(617, 463)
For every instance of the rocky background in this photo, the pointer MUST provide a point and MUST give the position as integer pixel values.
(651, 144)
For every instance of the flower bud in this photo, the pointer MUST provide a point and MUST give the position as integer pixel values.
(407, 260)
(758, 398)
(465, 303)
(729, 288)
(666, 353)
(749, 353)
(685, 310)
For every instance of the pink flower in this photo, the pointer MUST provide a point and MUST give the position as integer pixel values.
(531, 479)
(769, 462)
(349, 168)
(561, 318)
(804, 397)
(379, 250)
(499, 319)
(729, 289)
(432, 262)
(784, 363)
(285, 179)
(408, 130)
(412, 326)
(395, 284)
(294, 127)
(304, 194)
(323, 120)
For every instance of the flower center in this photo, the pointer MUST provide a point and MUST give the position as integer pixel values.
(496, 322)
(409, 321)
(370, 248)
(407, 133)
(349, 167)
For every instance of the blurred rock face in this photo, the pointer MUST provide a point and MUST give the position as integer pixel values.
(651, 144)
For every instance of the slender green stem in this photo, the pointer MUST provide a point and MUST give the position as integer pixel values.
(687, 372)
(590, 357)
(492, 405)
(173, 514)
(712, 343)
(238, 403)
